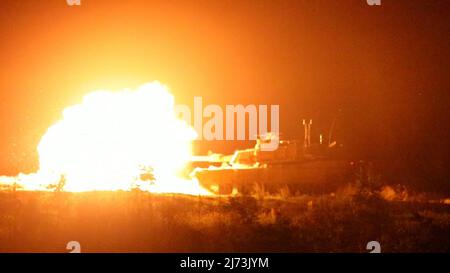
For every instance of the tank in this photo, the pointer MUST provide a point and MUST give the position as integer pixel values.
(296, 166)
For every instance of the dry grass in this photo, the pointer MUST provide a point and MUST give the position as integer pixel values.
(136, 221)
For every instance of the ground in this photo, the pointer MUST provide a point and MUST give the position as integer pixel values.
(344, 221)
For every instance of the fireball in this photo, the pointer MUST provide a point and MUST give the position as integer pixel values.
(105, 143)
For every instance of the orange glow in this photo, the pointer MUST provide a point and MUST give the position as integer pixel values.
(105, 142)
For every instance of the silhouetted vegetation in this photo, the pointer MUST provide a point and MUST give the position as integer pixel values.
(137, 221)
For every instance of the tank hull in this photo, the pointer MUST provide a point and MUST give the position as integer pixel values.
(297, 176)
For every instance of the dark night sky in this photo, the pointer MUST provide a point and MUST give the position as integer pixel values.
(385, 68)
